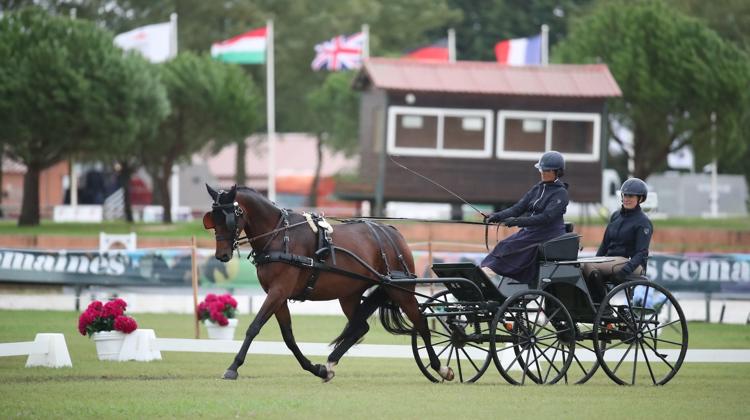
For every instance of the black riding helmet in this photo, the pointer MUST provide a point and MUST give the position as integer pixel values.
(635, 186)
(551, 160)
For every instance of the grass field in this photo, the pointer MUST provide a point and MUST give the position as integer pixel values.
(186, 385)
(188, 229)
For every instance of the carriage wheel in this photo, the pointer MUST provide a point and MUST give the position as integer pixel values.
(460, 341)
(534, 338)
(584, 364)
(634, 339)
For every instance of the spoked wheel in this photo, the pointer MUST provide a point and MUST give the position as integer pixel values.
(584, 363)
(533, 340)
(460, 341)
(634, 340)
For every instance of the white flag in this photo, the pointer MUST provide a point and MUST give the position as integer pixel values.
(153, 41)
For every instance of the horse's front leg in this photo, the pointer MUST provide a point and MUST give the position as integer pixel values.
(274, 299)
(285, 324)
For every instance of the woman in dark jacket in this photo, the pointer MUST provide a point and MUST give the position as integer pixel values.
(539, 214)
(626, 240)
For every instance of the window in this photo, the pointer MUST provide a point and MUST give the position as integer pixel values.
(524, 135)
(439, 132)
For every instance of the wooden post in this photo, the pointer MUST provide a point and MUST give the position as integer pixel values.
(194, 261)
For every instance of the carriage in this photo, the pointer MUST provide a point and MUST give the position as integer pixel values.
(554, 330)
(543, 333)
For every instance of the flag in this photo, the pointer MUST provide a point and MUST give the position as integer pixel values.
(340, 53)
(435, 51)
(154, 42)
(520, 51)
(247, 48)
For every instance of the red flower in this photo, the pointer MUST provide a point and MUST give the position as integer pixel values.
(100, 317)
(114, 308)
(217, 309)
(125, 324)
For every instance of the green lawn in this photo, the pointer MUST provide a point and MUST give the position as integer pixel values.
(188, 229)
(186, 385)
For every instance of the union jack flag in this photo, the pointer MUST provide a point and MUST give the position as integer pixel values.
(340, 53)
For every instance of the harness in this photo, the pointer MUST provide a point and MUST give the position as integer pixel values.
(325, 248)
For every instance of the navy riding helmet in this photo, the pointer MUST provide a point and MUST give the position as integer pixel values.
(635, 186)
(551, 160)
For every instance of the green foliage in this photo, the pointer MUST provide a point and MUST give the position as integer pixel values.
(333, 111)
(486, 22)
(213, 103)
(673, 72)
(66, 89)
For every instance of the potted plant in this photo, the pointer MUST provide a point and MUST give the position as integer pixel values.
(218, 313)
(107, 325)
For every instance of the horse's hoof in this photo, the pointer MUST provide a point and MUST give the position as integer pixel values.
(321, 372)
(446, 373)
(331, 373)
(230, 374)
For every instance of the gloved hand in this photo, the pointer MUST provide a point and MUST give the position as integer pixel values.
(494, 218)
(511, 221)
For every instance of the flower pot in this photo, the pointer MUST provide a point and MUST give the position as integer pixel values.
(108, 344)
(217, 332)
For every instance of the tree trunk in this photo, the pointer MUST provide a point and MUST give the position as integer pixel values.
(240, 170)
(313, 197)
(30, 204)
(123, 178)
(2, 154)
(166, 200)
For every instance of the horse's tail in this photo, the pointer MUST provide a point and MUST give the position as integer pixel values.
(393, 320)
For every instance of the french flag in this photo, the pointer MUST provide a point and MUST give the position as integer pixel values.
(520, 51)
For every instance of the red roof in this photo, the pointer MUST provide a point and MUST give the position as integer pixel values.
(489, 78)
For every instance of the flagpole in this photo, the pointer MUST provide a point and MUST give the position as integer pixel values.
(545, 44)
(366, 43)
(173, 36)
(451, 45)
(270, 112)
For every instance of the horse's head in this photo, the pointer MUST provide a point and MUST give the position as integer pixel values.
(225, 218)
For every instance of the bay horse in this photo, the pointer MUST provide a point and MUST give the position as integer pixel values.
(284, 249)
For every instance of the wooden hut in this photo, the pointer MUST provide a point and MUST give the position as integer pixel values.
(477, 128)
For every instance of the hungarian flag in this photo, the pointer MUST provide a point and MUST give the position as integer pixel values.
(520, 51)
(247, 48)
(437, 51)
(340, 53)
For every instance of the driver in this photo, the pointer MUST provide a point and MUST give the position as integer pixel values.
(539, 214)
(626, 240)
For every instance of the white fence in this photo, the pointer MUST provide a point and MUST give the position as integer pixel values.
(47, 349)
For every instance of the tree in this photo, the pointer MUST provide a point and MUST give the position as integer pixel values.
(486, 22)
(145, 105)
(332, 111)
(64, 89)
(673, 72)
(212, 103)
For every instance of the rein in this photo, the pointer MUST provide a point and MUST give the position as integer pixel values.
(486, 226)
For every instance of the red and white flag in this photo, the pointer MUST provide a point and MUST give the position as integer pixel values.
(340, 53)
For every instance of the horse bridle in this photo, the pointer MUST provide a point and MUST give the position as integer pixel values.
(231, 211)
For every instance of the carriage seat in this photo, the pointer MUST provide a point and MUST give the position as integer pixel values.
(563, 248)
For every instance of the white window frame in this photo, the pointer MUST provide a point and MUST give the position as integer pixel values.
(440, 113)
(548, 118)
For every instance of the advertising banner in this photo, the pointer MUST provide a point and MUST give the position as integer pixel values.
(713, 273)
(143, 267)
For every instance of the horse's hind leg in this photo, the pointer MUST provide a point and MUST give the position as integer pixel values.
(408, 304)
(270, 306)
(285, 324)
(355, 329)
